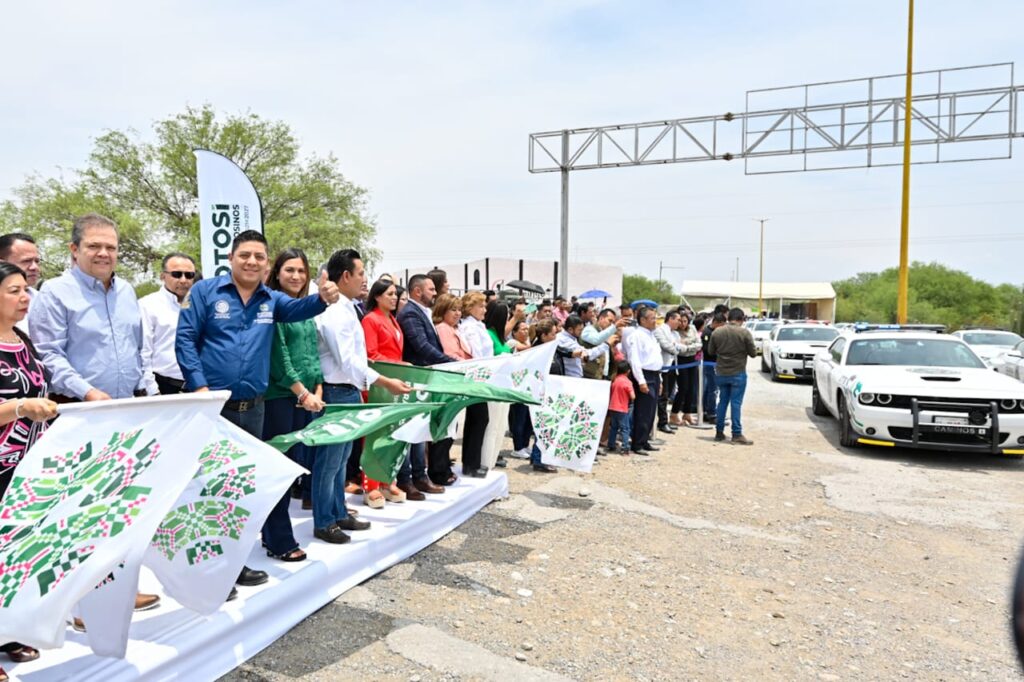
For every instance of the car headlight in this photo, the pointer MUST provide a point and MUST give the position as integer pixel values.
(784, 356)
(868, 398)
(1008, 405)
(883, 398)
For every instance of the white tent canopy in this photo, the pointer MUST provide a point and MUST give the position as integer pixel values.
(792, 291)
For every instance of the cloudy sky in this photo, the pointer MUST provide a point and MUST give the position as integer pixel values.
(429, 105)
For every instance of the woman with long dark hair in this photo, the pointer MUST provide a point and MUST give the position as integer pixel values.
(24, 409)
(294, 395)
(384, 342)
(684, 407)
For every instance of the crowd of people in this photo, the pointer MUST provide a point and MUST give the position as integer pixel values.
(285, 346)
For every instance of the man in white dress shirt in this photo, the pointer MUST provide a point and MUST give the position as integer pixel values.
(644, 356)
(160, 311)
(18, 248)
(347, 374)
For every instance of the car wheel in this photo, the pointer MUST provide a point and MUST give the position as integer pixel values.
(764, 365)
(775, 374)
(817, 404)
(847, 438)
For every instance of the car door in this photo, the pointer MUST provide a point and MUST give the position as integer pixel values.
(831, 367)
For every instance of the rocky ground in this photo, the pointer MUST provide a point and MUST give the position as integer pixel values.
(790, 559)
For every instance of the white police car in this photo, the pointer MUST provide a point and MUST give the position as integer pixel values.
(789, 351)
(917, 389)
(988, 343)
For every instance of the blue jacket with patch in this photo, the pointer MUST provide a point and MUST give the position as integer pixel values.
(225, 345)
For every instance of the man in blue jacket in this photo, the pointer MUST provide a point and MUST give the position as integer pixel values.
(422, 348)
(225, 333)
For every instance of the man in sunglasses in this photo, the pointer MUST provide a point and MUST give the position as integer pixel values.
(160, 311)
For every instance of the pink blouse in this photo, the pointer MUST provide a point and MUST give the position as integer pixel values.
(452, 342)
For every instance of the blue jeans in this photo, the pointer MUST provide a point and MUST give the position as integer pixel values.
(414, 467)
(710, 390)
(535, 454)
(329, 467)
(250, 421)
(730, 394)
(282, 416)
(621, 424)
(520, 425)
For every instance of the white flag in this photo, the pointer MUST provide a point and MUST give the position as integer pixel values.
(568, 424)
(203, 542)
(85, 500)
(228, 204)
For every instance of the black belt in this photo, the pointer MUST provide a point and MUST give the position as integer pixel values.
(652, 373)
(177, 383)
(341, 386)
(243, 405)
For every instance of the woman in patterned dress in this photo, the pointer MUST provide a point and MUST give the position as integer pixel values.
(24, 409)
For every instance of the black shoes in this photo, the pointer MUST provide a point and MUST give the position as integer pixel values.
(544, 468)
(501, 463)
(649, 448)
(232, 595)
(719, 435)
(331, 534)
(665, 429)
(250, 578)
(351, 523)
(476, 473)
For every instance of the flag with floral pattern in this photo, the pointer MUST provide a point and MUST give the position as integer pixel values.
(568, 424)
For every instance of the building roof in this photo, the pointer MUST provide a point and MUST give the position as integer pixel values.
(749, 290)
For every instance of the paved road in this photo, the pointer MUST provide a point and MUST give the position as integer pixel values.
(790, 559)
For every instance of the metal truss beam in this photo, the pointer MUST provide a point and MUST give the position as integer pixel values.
(962, 117)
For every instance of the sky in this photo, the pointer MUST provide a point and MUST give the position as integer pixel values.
(429, 107)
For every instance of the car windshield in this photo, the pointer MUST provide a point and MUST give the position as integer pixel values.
(1008, 339)
(807, 334)
(765, 326)
(916, 352)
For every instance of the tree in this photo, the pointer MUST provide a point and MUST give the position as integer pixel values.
(938, 294)
(635, 287)
(149, 188)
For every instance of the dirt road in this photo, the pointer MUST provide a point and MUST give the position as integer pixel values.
(790, 559)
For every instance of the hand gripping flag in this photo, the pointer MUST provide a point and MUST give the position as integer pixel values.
(343, 423)
(382, 456)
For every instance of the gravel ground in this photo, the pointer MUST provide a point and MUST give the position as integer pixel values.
(790, 559)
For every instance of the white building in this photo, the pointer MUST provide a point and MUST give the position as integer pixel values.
(493, 273)
(793, 300)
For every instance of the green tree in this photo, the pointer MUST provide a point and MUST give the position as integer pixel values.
(636, 287)
(938, 294)
(149, 187)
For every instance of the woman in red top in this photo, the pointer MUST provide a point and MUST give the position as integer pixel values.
(384, 341)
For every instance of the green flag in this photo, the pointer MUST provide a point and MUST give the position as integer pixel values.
(347, 422)
(382, 455)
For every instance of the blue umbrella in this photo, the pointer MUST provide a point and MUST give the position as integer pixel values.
(595, 293)
(643, 301)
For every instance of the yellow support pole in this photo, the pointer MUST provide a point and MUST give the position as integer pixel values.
(904, 275)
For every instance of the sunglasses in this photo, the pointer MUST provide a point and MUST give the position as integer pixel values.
(178, 274)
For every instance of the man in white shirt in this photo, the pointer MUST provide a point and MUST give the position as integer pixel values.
(160, 311)
(644, 355)
(342, 348)
(18, 248)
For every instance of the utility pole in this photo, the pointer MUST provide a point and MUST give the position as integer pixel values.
(737, 268)
(563, 251)
(760, 278)
(662, 266)
(904, 274)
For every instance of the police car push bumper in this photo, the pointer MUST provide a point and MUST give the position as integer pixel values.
(963, 427)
